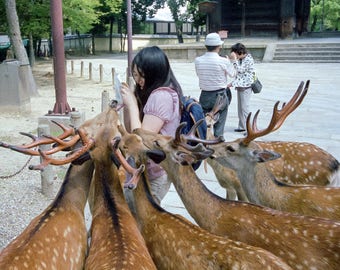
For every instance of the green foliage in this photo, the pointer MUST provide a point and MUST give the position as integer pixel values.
(325, 15)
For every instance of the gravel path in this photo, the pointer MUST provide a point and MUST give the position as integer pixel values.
(21, 198)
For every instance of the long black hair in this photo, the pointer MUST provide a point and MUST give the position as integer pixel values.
(153, 64)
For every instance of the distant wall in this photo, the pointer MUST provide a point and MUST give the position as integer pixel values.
(138, 41)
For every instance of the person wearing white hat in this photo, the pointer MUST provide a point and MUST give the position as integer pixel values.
(213, 71)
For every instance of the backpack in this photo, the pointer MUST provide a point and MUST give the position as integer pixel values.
(191, 113)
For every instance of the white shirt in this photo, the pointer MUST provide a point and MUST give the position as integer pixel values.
(213, 71)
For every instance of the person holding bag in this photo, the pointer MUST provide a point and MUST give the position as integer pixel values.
(244, 65)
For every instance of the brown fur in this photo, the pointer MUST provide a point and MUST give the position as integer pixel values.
(303, 242)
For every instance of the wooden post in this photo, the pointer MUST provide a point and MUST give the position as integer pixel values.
(105, 100)
(90, 71)
(100, 73)
(76, 119)
(47, 173)
(81, 69)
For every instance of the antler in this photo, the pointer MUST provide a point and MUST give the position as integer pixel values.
(36, 141)
(220, 103)
(191, 136)
(278, 117)
(87, 145)
(134, 174)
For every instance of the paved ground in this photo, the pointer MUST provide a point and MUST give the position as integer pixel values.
(315, 121)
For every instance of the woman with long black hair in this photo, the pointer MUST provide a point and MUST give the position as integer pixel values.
(154, 105)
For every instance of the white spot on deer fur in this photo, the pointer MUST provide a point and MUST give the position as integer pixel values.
(67, 231)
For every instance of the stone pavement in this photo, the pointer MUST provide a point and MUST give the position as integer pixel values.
(315, 121)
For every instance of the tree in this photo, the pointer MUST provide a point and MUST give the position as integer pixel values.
(325, 15)
(175, 6)
(198, 18)
(18, 47)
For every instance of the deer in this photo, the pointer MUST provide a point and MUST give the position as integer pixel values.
(173, 241)
(298, 240)
(260, 184)
(116, 242)
(301, 163)
(57, 238)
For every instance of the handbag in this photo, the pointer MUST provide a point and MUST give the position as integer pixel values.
(256, 86)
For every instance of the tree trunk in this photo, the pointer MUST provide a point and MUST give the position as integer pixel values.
(18, 47)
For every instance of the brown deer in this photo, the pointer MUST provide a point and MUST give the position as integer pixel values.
(176, 243)
(260, 185)
(116, 242)
(298, 240)
(226, 177)
(301, 163)
(57, 238)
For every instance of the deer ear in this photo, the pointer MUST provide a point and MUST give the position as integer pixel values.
(265, 155)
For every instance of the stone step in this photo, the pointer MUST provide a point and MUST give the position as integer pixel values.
(303, 53)
(295, 60)
(307, 52)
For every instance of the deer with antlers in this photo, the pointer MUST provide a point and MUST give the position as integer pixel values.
(300, 163)
(261, 186)
(298, 240)
(115, 239)
(176, 243)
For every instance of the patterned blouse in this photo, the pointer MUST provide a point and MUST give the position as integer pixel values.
(245, 72)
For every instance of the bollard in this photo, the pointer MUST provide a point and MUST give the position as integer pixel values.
(47, 174)
(76, 119)
(100, 73)
(81, 69)
(105, 100)
(72, 67)
(90, 71)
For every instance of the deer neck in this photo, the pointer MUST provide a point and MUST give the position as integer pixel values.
(76, 185)
(259, 184)
(107, 187)
(196, 197)
(144, 206)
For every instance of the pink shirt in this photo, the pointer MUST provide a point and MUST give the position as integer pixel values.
(163, 103)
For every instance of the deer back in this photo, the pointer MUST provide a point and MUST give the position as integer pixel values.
(302, 163)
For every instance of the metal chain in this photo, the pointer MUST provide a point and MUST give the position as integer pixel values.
(19, 171)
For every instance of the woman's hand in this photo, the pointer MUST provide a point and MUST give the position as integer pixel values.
(128, 97)
(233, 56)
(131, 113)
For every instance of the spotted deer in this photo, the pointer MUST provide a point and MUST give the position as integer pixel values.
(300, 163)
(261, 186)
(176, 243)
(302, 242)
(116, 242)
(226, 177)
(57, 238)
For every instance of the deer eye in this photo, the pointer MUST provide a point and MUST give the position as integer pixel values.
(156, 143)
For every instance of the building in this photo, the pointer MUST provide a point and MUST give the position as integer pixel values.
(248, 18)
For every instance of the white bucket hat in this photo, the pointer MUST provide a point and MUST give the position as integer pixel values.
(213, 39)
